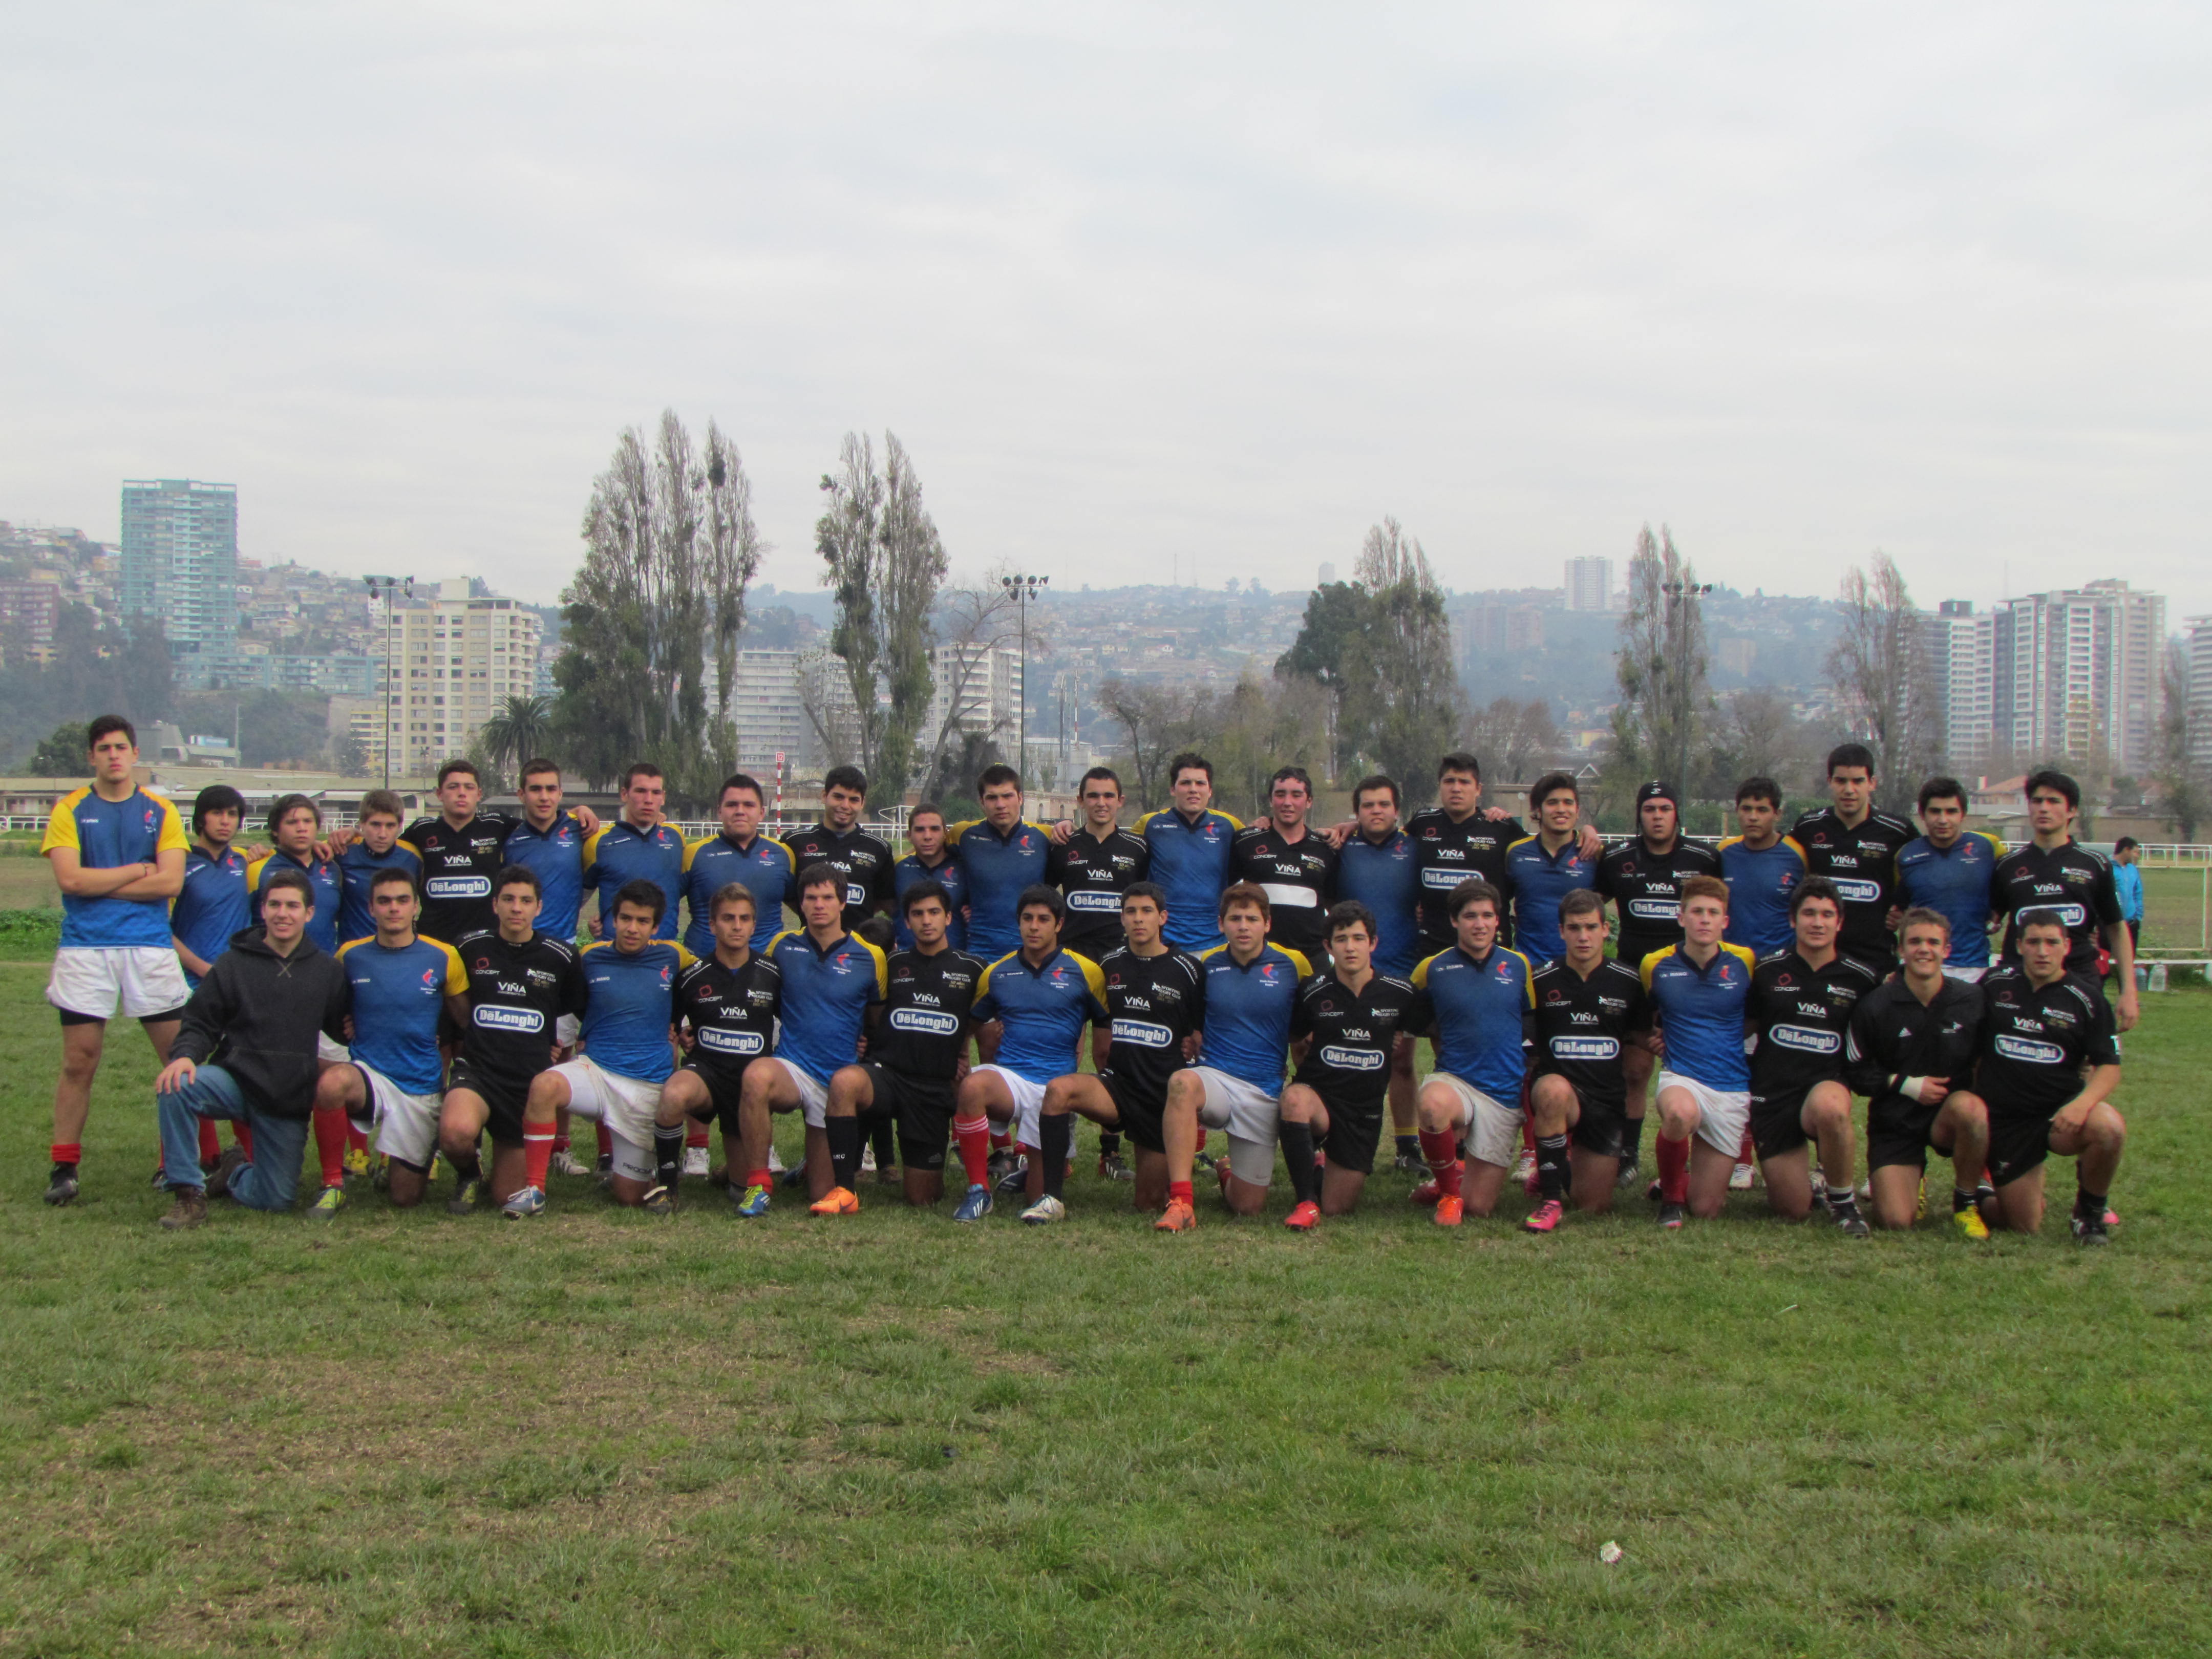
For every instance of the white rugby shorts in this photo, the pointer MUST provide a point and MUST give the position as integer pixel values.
(1249, 1114)
(1027, 1125)
(405, 1125)
(95, 980)
(1965, 976)
(624, 1106)
(1722, 1114)
(1493, 1130)
(328, 1051)
(813, 1094)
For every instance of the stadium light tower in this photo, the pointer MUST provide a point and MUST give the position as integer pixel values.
(1022, 589)
(383, 588)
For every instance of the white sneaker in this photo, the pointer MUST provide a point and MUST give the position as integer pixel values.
(868, 1159)
(1865, 1191)
(775, 1163)
(1739, 1178)
(695, 1161)
(1523, 1168)
(1047, 1208)
(566, 1163)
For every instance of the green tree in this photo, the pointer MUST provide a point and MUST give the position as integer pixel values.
(1665, 701)
(1331, 650)
(521, 729)
(61, 753)
(2178, 773)
(1881, 667)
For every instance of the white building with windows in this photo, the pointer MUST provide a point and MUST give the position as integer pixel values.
(454, 660)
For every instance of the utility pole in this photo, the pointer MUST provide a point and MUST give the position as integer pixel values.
(1023, 589)
(384, 587)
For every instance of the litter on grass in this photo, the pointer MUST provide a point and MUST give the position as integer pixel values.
(1608, 1553)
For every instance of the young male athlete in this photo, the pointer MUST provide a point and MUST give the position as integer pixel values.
(864, 859)
(830, 980)
(1801, 1007)
(1762, 867)
(2127, 882)
(1343, 1027)
(1910, 1051)
(915, 1054)
(1542, 869)
(1001, 856)
(394, 1081)
(1590, 1009)
(1379, 866)
(212, 905)
(1478, 996)
(378, 848)
(2056, 872)
(727, 1005)
(550, 839)
(1856, 846)
(1031, 1005)
(1293, 865)
(522, 983)
(931, 861)
(463, 848)
(118, 855)
(245, 1051)
(1190, 844)
(296, 825)
(737, 852)
(629, 1005)
(1099, 863)
(638, 846)
(1251, 987)
(1700, 993)
(1952, 870)
(2049, 1062)
(1457, 841)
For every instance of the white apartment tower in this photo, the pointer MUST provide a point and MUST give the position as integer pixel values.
(2075, 673)
(1590, 584)
(1962, 651)
(455, 660)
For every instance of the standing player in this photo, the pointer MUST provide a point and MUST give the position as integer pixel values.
(118, 855)
(394, 1079)
(1856, 847)
(727, 1005)
(638, 846)
(1700, 992)
(863, 859)
(1952, 870)
(1762, 867)
(522, 983)
(929, 861)
(550, 839)
(1344, 1028)
(1099, 863)
(2127, 882)
(1001, 856)
(1294, 865)
(629, 1005)
(1156, 1000)
(1251, 987)
(740, 854)
(1379, 866)
(378, 847)
(1480, 994)
(1190, 844)
(1802, 1002)
(1590, 1009)
(211, 909)
(1910, 1051)
(462, 849)
(2056, 872)
(1542, 869)
(295, 824)
(2043, 1029)
(1458, 841)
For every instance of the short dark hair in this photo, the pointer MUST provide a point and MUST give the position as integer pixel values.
(1474, 891)
(1550, 785)
(459, 763)
(2051, 778)
(517, 875)
(101, 725)
(732, 892)
(216, 797)
(1248, 893)
(741, 781)
(879, 932)
(1581, 902)
(1290, 775)
(295, 879)
(394, 875)
(846, 777)
(1921, 916)
(1147, 890)
(928, 808)
(637, 769)
(1850, 754)
(2041, 916)
(1815, 887)
(284, 806)
(1190, 760)
(820, 874)
(1098, 772)
(1760, 789)
(1036, 893)
(1349, 913)
(1459, 760)
(996, 774)
(1942, 788)
(538, 768)
(921, 892)
(1370, 784)
(380, 803)
(2126, 844)
(646, 895)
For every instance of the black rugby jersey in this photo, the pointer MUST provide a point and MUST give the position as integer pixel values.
(2069, 879)
(1580, 1026)
(1155, 1002)
(2035, 1042)
(1646, 889)
(1449, 853)
(1799, 1016)
(1092, 873)
(925, 1024)
(516, 994)
(1299, 878)
(865, 860)
(458, 867)
(730, 1011)
(1895, 1036)
(1863, 863)
(1350, 1032)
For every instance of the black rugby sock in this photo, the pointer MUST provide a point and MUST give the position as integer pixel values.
(668, 1155)
(1632, 1140)
(2088, 1203)
(1409, 1146)
(1109, 1143)
(1551, 1165)
(1298, 1153)
(844, 1134)
(881, 1131)
(1056, 1130)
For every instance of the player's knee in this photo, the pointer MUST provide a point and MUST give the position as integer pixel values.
(1060, 1096)
(1706, 1208)
(2107, 1128)
(1968, 1111)
(1185, 1092)
(1829, 1108)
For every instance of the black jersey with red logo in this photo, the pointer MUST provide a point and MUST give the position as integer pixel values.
(731, 1012)
(1092, 873)
(458, 867)
(863, 859)
(927, 999)
(1298, 877)
(1350, 1033)
(1581, 1025)
(1155, 1002)
(1862, 860)
(1450, 851)
(1800, 1017)
(1646, 889)
(516, 994)
(2069, 879)
(2035, 1040)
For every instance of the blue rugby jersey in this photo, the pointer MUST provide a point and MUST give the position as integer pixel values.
(620, 853)
(910, 869)
(1385, 876)
(996, 867)
(1958, 882)
(211, 906)
(1701, 1012)
(1190, 861)
(330, 894)
(357, 868)
(1478, 1010)
(1535, 882)
(826, 998)
(1760, 883)
(1249, 1005)
(107, 834)
(557, 854)
(1041, 1011)
(763, 867)
(629, 1003)
(398, 995)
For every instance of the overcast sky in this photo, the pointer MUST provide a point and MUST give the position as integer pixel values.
(1140, 292)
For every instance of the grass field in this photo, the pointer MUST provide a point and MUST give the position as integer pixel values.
(599, 1434)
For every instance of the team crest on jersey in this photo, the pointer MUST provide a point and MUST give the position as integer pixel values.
(1724, 973)
(1783, 980)
(430, 981)
(483, 964)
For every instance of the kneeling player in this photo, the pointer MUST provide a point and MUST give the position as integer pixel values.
(727, 1005)
(1700, 990)
(1345, 1028)
(1155, 998)
(1590, 1009)
(1478, 996)
(1801, 1000)
(2041, 1028)
(1910, 1051)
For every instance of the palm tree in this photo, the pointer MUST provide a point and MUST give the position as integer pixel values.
(519, 731)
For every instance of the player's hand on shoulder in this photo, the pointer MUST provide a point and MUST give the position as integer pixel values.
(586, 820)
(1060, 829)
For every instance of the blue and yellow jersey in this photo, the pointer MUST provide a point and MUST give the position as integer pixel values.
(910, 871)
(357, 868)
(994, 868)
(107, 834)
(1248, 1011)
(1701, 1012)
(630, 1003)
(764, 868)
(827, 994)
(398, 995)
(1535, 882)
(1478, 1008)
(1761, 881)
(620, 853)
(1385, 876)
(1958, 882)
(1190, 860)
(557, 854)
(1040, 1010)
(322, 875)
(212, 905)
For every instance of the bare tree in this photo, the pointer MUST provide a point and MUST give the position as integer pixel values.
(1410, 708)
(825, 698)
(1661, 666)
(1510, 737)
(1886, 682)
(2178, 772)
(973, 621)
(1156, 720)
(1756, 735)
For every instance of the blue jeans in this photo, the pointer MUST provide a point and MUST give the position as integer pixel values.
(273, 1179)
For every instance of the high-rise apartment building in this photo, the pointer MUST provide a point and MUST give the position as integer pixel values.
(1590, 584)
(180, 569)
(1961, 650)
(978, 687)
(2076, 674)
(455, 660)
